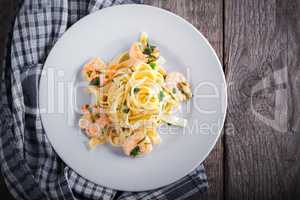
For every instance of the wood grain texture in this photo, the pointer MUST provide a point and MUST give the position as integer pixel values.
(262, 63)
(262, 48)
(207, 17)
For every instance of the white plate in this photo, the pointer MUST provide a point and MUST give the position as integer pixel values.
(105, 34)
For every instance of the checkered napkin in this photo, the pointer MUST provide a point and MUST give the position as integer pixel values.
(31, 168)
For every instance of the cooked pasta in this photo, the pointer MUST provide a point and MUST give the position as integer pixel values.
(134, 96)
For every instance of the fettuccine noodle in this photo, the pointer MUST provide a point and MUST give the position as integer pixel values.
(134, 95)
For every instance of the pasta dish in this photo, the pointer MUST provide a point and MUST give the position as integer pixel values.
(134, 96)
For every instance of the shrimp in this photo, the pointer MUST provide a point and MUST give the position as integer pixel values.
(92, 69)
(96, 109)
(92, 109)
(137, 144)
(176, 82)
(103, 121)
(93, 130)
(136, 53)
(85, 109)
(84, 123)
(93, 120)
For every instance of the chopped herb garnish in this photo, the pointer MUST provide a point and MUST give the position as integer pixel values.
(136, 90)
(174, 91)
(95, 81)
(151, 59)
(153, 65)
(89, 73)
(134, 152)
(126, 110)
(161, 95)
(147, 51)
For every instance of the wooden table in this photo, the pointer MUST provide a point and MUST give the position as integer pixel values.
(258, 42)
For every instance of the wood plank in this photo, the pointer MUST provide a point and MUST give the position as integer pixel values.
(206, 16)
(262, 48)
(292, 153)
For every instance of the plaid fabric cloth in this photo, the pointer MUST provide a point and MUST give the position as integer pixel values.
(31, 168)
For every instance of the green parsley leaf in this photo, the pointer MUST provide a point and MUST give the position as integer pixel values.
(95, 81)
(134, 152)
(174, 91)
(161, 95)
(153, 65)
(148, 51)
(126, 110)
(136, 90)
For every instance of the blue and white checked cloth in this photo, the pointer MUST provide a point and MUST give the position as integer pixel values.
(31, 168)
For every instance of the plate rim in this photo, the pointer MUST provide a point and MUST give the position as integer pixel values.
(220, 67)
